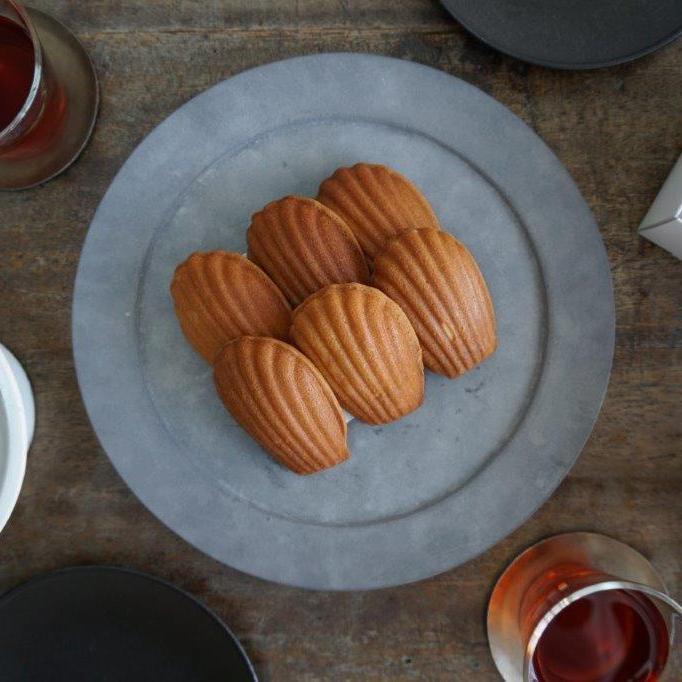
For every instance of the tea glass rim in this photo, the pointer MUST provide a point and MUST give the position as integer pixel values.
(601, 586)
(8, 132)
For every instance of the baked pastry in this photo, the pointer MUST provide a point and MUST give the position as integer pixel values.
(436, 281)
(304, 246)
(278, 396)
(377, 203)
(365, 347)
(220, 295)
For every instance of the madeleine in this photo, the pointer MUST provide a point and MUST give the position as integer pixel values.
(219, 296)
(434, 278)
(304, 246)
(377, 203)
(365, 347)
(278, 396)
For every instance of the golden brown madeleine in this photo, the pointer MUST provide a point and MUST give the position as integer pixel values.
(220, 295)
(365, 347)
(436, 281)
(279, 397)
(377, 203)
(303, 246)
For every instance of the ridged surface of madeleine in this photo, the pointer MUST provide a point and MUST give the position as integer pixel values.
(304, 246)
(365, 347)
(278, 396)
(377, 203)
(436, 281)
(219, 295)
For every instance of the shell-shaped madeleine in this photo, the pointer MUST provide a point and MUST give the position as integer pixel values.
(436, 281)
(365, 347)
(220, 295)
(278, 396)
(303, 246)
(377, 203)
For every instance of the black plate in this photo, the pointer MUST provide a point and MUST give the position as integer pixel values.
(571, 34)
(113, 625)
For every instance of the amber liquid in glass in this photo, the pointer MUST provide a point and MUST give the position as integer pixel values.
(609, 636)
(16, 69)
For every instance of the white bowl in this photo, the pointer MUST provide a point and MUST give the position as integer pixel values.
(17, 419)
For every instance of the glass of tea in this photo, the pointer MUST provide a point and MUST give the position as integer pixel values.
(48, 96)
(582, 607)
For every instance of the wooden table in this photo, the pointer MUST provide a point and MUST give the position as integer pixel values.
(617, 130)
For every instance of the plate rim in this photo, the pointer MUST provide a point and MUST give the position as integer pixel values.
(47, 576)
(557, 64)
(526, 133)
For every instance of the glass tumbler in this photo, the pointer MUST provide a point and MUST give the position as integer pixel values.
(583, 607)
(48, 96)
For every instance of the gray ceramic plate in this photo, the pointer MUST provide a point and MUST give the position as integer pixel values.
(418, 496)
(107, 624)
(572, 34)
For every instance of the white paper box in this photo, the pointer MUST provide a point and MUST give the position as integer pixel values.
(17, 417)
(663, 223)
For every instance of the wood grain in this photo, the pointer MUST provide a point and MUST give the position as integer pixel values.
(618, 132)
